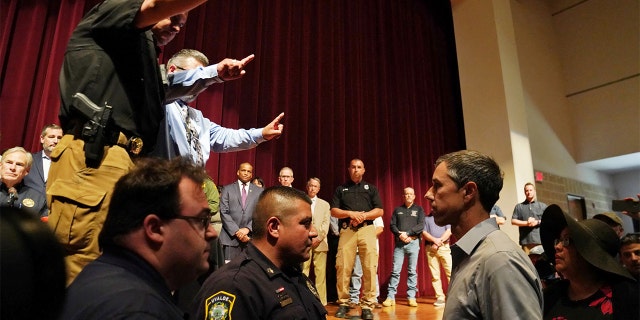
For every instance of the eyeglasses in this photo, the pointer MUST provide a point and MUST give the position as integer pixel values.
(565, 242)
(204, 221)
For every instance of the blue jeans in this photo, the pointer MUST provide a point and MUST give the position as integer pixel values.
(356, 281)
(411, 249)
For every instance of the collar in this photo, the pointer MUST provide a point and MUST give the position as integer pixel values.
(473, 237)
(132, 262)
(18, 186)
(262, 261)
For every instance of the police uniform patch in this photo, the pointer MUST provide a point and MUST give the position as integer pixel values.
(219, 306)
(312, 288)
(29, 203)
(283, 297)
(414, 213)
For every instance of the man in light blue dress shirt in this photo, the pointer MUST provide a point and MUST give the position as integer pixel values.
(185, 131)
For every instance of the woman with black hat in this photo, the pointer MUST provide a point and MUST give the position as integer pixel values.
(594, 285)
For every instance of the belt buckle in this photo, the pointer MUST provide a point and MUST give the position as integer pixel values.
(135, 145)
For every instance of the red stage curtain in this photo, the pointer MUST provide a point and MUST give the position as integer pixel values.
(372, 79)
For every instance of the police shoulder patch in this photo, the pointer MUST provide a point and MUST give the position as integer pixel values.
(219, 306)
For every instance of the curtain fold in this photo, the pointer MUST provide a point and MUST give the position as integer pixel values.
(369, 79)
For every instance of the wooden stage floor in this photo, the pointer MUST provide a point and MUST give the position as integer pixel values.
(401, 311)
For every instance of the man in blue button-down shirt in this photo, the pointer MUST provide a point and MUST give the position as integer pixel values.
(186, 132)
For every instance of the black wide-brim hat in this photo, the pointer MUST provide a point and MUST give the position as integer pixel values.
(595, 241)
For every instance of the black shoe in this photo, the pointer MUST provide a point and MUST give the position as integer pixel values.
(342, 311)
(366, 314)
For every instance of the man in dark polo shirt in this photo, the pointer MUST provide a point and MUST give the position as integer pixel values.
(357, 203)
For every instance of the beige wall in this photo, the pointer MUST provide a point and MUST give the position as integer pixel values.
(526, 107)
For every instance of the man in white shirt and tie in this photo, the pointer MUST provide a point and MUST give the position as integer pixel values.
(237, 203)
(37, 177)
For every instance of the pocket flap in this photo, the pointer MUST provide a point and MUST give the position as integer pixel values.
(80, 193)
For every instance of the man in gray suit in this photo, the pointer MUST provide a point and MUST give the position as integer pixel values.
(37, 177)
(237, 203)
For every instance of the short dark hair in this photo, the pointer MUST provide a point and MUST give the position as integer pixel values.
(630, 238)
(274, 202)
(151, 187)
(468, 165)
(49, 126)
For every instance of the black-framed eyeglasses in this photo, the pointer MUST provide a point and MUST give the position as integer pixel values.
(179, 67)
(565, 242)
(204, 221)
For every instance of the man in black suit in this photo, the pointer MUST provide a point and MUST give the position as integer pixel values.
(237, 203)
(37, 177)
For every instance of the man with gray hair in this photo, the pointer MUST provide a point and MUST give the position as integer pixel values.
(14, 166)
(286, 177)
(491, 277)
(321, 211)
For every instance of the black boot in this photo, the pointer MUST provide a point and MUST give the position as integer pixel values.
(343, 310)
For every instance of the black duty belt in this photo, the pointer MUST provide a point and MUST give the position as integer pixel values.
(133, 144)
(346, 223)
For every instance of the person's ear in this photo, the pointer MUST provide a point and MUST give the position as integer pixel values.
(153, 228)
(273, 227)
(171, 69)
(470, 189)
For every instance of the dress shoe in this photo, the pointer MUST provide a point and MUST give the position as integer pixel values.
(342, 311)
(367, 314)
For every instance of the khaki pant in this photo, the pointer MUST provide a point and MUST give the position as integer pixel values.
(319, 259)
(363, 243)
(435, 258)
(79, 199)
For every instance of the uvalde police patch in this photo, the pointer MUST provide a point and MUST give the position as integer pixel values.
(219, 306)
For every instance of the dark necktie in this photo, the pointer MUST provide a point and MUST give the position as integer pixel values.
(244, 195)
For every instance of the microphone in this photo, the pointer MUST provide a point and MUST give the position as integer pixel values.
(13, 195)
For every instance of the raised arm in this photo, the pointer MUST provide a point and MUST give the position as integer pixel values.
(153, 11)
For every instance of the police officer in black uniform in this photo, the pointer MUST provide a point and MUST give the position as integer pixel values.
(265, 281)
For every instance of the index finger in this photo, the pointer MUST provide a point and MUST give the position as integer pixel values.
(248, 59)
(279, 117)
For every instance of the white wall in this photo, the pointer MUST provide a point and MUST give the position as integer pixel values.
(515, 82)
